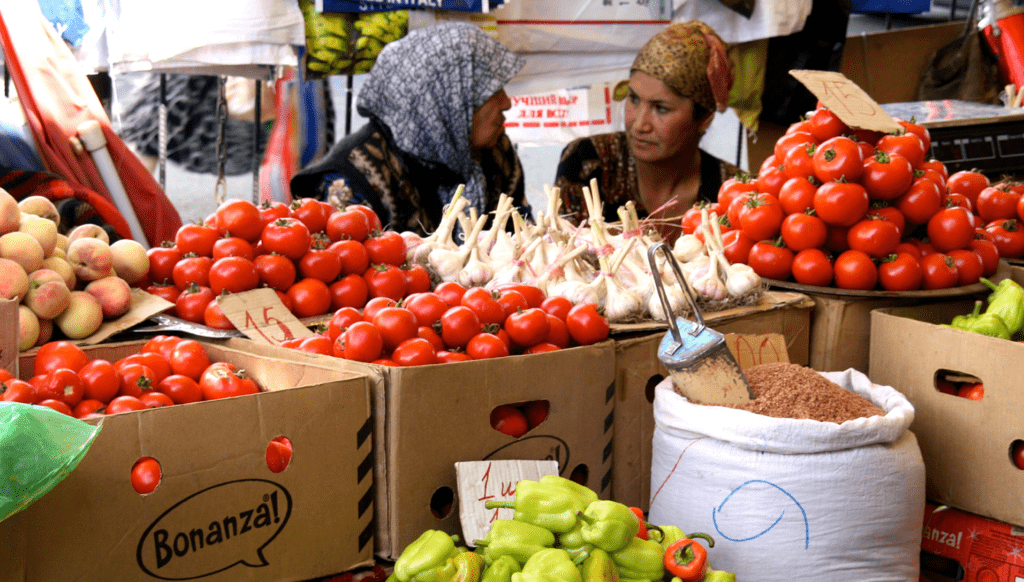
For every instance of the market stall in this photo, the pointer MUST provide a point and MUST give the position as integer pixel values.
(297, 390)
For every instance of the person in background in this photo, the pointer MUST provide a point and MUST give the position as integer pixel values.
(435, 101)
(678, 80)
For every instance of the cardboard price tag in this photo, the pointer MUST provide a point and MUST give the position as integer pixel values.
(750, 350)
(482, 481)
(261, 316)
(143, 305)
(848, 101)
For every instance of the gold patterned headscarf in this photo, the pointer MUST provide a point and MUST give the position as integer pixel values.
(690, 58)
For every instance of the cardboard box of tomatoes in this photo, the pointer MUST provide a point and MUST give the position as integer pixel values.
(970, 436)
(957, 545)
(430, 417)
(219, 512)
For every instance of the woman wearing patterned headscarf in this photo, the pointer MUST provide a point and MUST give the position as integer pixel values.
(679, 79)
(435, 103)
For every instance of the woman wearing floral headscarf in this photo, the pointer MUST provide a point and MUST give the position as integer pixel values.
(435, 103)
(679, 79)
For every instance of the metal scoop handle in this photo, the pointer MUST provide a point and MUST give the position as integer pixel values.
(652, 251)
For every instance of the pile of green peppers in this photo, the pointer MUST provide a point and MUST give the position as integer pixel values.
(560, 532)
(1004, 315)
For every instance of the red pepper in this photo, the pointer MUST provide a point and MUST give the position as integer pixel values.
(687, 559)
(642, 534)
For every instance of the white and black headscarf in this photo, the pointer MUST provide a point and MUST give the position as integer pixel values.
(425, 88)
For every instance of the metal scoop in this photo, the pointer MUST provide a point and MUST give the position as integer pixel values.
(702, 367)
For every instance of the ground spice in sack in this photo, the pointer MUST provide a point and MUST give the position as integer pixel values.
(784, 390)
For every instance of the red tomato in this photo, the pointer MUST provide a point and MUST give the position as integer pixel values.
(431, 336)
(241, 218)
(361, 342)
(156, 399)
(908, 145)
(192, 269)
(969, 183)
(384, 280)
(417, 278)
(939, 271)
(180, 389)
(275, 271)
(448, 357)
(971, 391)
(557, 306)
(770, 260)
(316, 344)
(14, 390)
(900, 272)
(838, 157)
(528, 327)
(164, 291)
(349, 291)
(760, 217)
(825, 124)
(997, 202)
(88, 409)
(485, 345)
(162, 344)
(918, 130)
(890, 213)
(387, 247)
(213, 315)
(136, 379)
(801, 231)
(855, 270)
(415, 351)
(512, 301)
(320, 263)
(485, 304)
(162, 260)
(458, 325)
(876, 237)
(427, 307)
(233, 246)
(309, 297)
(1020, 208)
(371, 216)
(286, 236)
(125, 403)
(354, 258)
(1008, 237)
(311, 213)
(191, 304)
(396, 324)
(224, 380)
(145, 475)
(791, 140)
(59, 354)
(920, 202)
(989, 254)
(233, 275)
(797, 195)
(62, 384)
(536, 412)
(841, 203)
(799, 161)
(886, 176)
(730, 188)
(936, 166)
(451, 292)
(812, 266)
(271, 210)
(534, 295)
(1017, 452)
(196, 238)
(558, 331)
(189, 358)
(341, 319)
(586, 325)
(770, 180)
(951, 228)
(279, 454)
(691, 219)
(348, 224)
(509, 420)
(57, 405)
(969, 266)
(160, 365)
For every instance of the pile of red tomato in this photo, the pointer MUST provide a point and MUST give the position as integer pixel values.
(316, 257)
(857, 209)
(167, 370)
(454, 324)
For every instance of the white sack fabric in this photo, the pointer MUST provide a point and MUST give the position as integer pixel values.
(789, 499)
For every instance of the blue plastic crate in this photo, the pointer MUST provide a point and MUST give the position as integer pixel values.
(892, 6)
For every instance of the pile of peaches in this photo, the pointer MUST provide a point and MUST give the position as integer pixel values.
(67, 283)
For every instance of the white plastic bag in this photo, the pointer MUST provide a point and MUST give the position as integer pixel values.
(788, 499)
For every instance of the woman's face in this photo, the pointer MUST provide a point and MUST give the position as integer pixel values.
(659, 123)
(489, 121)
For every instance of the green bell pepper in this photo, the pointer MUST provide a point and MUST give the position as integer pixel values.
(585, 493)
(666, 535)
(462, 567)
(501, 570)
(420, 560)
(599, 567)
(609, 525)
(991, 325)
(550, 505)
(640, 559)
(719, 576)
(518, 539)
(1007, 301)
(962, 321)
(553, 562)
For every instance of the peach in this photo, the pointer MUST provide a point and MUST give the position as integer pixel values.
(114, 295)
(90, 258)
(28, 328)
(45, 331)
(13, 280)
(82, 318)
(42, 230)
(88, 230)
(48, 295)
(10, 214)
(40, 206)
(23, 249)
(131, 262)
(63, 267)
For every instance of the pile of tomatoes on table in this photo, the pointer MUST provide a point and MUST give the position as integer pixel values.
(167, 370)
(316, 257)
(453, 323)
(858, 209)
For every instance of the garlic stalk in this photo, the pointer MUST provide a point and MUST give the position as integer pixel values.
(447, 262)
(740, 279)
(442, 237)
(710, 285)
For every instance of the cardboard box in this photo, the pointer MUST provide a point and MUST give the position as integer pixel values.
(965, 443)
(313, 519)
(9, 335)
(638, 371)
(430, 417)
(957, 545)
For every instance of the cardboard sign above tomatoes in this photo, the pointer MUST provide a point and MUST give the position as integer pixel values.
(848, 101)
(261, 316)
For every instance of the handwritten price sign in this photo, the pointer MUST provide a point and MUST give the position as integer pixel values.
(483, 481)
(261, 316)
(848, 101)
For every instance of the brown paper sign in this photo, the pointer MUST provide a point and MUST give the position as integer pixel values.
(848, 101)
(483, 481)
(143, 305)
(261, 316)
(750, 350)
(9, 335)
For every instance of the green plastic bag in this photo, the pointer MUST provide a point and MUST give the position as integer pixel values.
(39, 447)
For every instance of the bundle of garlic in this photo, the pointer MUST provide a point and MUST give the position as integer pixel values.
(721, 280)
